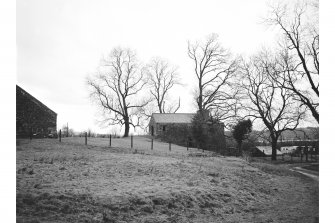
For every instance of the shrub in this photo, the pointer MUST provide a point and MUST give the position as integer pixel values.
(178, 134)
(199, 130)
(208, 133)
(241, 131)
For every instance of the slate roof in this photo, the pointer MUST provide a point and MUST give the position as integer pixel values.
(185, 118)
(24, 93)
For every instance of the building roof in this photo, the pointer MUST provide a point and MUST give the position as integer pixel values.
(33, 99)
(268, 150)
(173, 117)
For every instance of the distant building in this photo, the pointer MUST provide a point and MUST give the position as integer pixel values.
(288, 149)
(32, 116)
(267, 150)
(161, 122)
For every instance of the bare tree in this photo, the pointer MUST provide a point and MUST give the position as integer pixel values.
(214, 68)
(162, 78)
(274, 105)
(299, 25)
(66, 131)
(116, 88)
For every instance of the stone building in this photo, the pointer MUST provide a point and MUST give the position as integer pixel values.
(33, 117)
(161, 122)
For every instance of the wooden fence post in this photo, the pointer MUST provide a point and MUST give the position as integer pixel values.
(169, 146)
(85, 138)
(264, 154)
(31, 134)
(187, 143)
(152, 143)
(110, 140)
(60, 135)
(131, 141)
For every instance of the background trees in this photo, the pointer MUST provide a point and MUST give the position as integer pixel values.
(161, 79)
(299, 25)
(214, 68)
(276, 88)
(268, 101)
(66, 131)
(116, 88)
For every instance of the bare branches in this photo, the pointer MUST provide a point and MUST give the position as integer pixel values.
(270, 102)
(118, 80)
(215, 69)
(161, 78)
(302, 47)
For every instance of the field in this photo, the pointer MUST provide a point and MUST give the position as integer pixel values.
(70, 182)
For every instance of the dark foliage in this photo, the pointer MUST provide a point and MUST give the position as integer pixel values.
(208, 133)
(241, 131)
(178, 134)
(199, 130)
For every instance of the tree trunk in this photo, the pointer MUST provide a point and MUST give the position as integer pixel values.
(314, 113)
(239, 145)
(274, 149)
(200, 96)
(126, 127)
(224, 140)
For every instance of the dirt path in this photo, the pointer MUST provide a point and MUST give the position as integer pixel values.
(312, 174)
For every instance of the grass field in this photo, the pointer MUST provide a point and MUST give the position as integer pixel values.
(71, 182)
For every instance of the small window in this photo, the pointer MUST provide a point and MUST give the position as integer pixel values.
(164, 128)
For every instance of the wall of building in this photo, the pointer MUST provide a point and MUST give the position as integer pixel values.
(32, 116)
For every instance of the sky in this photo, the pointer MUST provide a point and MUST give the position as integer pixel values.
(59, 43)
(53, 39)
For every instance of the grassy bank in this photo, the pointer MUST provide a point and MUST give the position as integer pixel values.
(70, 182)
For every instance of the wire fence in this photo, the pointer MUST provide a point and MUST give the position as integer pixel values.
(150, 143)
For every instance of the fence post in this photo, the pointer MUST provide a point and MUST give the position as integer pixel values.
(60, 135)
(110, 140)
(152, 143)
(169, 146)
(131, 141)
(31, 134)
(85, 138)
(282, 156)
(187, 144)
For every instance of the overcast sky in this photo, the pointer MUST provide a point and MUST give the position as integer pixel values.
(60, 42)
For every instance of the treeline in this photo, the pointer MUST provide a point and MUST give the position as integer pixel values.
(278, 88)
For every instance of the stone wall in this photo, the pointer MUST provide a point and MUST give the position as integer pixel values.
(178, 134)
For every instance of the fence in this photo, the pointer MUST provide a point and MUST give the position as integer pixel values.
(132, 142)
(303, 154)
(150, 144)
